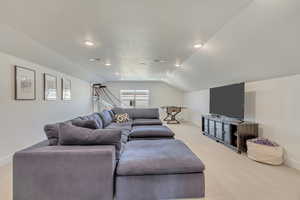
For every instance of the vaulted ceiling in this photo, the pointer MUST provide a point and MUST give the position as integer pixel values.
(143, 40)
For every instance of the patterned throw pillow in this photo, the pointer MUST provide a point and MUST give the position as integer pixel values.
(122, 118)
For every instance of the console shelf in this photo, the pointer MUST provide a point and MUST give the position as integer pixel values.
(230, 132)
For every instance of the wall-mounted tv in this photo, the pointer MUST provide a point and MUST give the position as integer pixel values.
(228, 101)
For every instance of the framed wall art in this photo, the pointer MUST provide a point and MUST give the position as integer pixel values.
(25, 83)
(66, 89)
(50, 87)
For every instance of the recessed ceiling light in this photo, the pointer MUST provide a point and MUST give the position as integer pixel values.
(94, 59)
(89, 43)
(197, 46)
(107, 64)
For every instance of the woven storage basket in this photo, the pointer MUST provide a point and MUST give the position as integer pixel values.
(272, 155)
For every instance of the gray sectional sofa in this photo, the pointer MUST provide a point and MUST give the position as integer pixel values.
(143, 161)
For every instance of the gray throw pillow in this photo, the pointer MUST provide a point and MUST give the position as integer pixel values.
(112, 114)
(96, 117)
(91, 124)
(106, 117)
(51, 131)
(73, 135)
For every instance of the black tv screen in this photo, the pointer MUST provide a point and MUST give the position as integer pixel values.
(228, 100)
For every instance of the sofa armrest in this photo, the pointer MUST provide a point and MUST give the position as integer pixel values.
(64, 172)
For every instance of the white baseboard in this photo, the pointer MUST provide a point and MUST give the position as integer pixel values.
(288, 162)
(292, 163)
(5, 160)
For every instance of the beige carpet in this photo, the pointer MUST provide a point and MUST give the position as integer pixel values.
(229, 176)
(6, 182)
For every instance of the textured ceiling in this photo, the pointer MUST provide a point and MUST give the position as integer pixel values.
(129, 34)
(244, 40)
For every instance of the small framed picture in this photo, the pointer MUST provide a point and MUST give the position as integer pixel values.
(66, 89)
(50, 87)
(25, 83)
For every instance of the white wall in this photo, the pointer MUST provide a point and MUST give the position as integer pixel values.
(22, 121)
(273, 103)
(161, 94)
(198, 104)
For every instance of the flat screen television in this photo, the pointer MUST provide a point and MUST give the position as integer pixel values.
(228, 101)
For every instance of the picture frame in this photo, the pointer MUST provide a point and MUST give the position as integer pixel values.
(25, 83)
(66, 89)
(50, 87)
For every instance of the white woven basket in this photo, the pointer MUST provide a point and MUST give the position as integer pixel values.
(272, 155)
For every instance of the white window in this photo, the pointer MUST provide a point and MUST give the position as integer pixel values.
(134, 98)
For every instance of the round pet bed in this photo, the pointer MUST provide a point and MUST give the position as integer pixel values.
(265, 151)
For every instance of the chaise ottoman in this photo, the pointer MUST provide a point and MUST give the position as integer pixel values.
(159, 169)
(150, 132)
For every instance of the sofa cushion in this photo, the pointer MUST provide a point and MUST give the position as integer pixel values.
(73, 135)
(106, 117)
(112, 114)
(91, 124)
(149, 157)
(117, 110)
(146, 113)
(138, 113)
(140, 122)
(124, 127)
(96, 117)
(151, 131)
(52, 132)
(114, 125)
